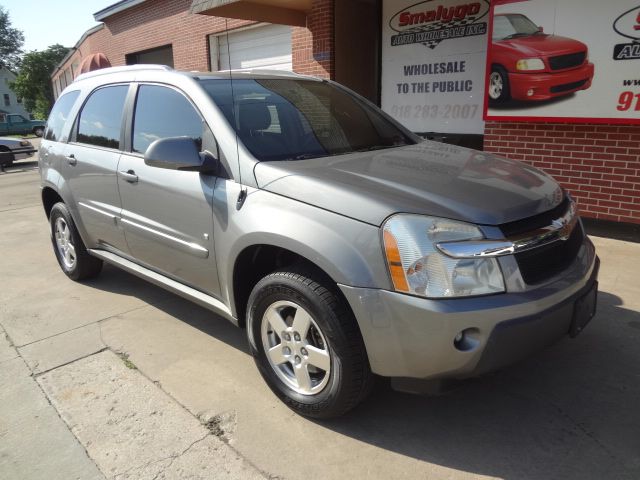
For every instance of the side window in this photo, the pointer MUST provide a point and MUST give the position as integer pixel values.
(59, 114)
(162, 112)
(100, 120)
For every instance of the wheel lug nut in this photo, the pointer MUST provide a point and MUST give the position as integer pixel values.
(304, 352)
(298, 360)
(296, 336)
(287, 337)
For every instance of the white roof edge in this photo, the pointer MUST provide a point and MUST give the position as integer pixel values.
(115, 8)
(128, 68)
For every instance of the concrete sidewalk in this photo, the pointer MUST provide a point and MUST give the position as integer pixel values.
(116, 378)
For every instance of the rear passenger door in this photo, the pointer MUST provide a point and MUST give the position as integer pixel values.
(167, 214)
(91, 163)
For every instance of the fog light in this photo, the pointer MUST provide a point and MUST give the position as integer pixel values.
(467, 340)
(530, 92)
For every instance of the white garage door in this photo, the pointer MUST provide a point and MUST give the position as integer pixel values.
(267, 46)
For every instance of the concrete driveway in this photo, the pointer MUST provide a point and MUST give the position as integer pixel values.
(148, 384)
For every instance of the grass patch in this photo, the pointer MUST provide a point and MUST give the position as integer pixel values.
(127, 363)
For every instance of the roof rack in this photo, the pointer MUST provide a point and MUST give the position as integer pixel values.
(128, 68)
(263, 71)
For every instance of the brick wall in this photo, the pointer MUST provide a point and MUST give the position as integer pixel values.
(598, 164)
(313, 47)
(156, 23)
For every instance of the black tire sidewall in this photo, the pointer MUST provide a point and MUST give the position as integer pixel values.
(273, 289)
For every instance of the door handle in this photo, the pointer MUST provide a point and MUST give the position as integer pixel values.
(72, 160)
(130, 176)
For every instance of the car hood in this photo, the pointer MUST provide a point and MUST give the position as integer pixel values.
(428, 178)
(8, 141)
(544, 45)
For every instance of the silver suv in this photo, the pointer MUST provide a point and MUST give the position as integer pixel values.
(345, 245)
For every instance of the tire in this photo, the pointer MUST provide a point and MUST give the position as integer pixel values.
(335, 358)
(498, 86)
(68, 247)
(38, 131)
(6, 157)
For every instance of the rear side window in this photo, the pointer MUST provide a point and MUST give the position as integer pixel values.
(162, 112)
(59, 114)
(101, 118)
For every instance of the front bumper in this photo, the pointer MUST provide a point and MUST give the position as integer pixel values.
(16, 154)
(413, 337)
(549, 85)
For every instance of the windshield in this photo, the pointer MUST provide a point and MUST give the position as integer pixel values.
(292, 119)
(512, 26)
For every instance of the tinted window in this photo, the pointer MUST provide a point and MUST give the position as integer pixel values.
(162, 112)
(59, 114)
(101, 117)
(298, 119)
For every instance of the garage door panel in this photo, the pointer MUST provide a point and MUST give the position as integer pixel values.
(266, 46)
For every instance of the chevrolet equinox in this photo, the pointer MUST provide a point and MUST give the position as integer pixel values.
(346, 245)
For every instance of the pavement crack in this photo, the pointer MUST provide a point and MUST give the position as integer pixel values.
(39, 374)
(175, 457)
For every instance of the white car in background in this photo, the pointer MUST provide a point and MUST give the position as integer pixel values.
(12, 149)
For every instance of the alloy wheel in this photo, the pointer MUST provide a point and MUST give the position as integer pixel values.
(296, 347)
(64, 243)
(496, 85)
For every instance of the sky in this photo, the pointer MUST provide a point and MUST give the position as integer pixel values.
(47, 22)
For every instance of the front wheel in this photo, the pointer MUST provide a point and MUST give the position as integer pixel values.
(499, 85)
(307, 345)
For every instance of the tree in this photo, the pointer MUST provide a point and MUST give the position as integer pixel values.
(33, 83)
(11, 41)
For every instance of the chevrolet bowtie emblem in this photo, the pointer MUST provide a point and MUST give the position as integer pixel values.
(563, 226)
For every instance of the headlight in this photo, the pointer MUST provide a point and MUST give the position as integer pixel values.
(419, 268)
(530, 64)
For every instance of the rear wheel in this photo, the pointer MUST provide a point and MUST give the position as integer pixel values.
(38, 131)
(307, 345)
(499, 85)
(70, 251)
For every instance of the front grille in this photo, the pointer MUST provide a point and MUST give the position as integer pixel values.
(568, 86)
(526, 225)
(563, 62)
(542, 263)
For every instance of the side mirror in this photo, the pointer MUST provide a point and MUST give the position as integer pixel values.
(179, 153)
(541, 29)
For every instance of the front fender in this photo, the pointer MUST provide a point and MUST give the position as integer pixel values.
(347, 250)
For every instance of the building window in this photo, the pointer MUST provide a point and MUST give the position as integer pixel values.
(159, 56)
(7, 100)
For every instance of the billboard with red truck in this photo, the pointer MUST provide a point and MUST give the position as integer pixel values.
(564, 60)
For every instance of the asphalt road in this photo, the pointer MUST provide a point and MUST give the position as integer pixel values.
(570, 412)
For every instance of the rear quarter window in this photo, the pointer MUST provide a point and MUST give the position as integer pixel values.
(59, 115)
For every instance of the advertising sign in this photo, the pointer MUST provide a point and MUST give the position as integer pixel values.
(564, 60)
(433, 64)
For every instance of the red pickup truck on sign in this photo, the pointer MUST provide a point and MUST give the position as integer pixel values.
(527, 64)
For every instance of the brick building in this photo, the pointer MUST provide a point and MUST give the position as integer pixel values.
(599, 163)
